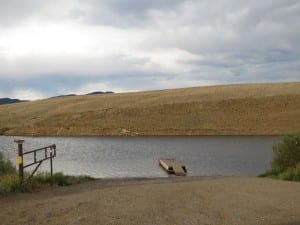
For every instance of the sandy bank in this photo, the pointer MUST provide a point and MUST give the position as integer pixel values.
(209, 200)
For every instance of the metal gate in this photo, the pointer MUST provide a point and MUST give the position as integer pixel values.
(48, 153)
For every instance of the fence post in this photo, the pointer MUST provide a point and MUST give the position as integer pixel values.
(20, 158)
(51, 165)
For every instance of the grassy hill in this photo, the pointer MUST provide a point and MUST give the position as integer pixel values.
(249, 109)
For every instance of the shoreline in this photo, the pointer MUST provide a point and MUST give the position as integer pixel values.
(159, 135)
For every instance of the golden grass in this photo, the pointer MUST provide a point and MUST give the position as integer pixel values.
(248, 109)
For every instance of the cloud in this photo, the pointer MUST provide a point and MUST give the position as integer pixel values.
(101, 86)
(77, 45)
(13, 11)
(27, 94)
(20, 13)
(120, 13)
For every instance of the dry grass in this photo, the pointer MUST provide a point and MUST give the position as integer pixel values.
(252, 109)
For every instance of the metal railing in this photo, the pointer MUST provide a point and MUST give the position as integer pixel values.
(49, 154)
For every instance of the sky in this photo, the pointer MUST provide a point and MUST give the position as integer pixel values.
(56, 47)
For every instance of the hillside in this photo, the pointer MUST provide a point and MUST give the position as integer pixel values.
(249, 109)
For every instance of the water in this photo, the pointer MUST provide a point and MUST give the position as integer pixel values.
(137, 156)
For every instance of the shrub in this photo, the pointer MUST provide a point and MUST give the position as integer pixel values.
(11, 183)
(291, 173)
(286, 162)
(287, 152)
(6, 166)
(272, 172)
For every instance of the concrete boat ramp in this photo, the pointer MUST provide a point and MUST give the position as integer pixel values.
(173, 166)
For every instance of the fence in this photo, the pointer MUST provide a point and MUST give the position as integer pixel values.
(49, 154)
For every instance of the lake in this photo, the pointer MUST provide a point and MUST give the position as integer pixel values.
(103, 157)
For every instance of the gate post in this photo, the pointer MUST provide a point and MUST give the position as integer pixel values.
(51, 164)
(20, 158)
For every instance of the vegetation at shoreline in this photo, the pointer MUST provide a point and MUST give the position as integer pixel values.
(243, 109)
(9, 180)
(286, 162)
(60, 179)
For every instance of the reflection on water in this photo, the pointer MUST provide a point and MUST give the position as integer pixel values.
(137, 156)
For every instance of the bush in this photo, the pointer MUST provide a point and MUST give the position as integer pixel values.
(272, 172)
(286, 162)
(292, 174)
(11, 183)
(287, 152)
(6, 166)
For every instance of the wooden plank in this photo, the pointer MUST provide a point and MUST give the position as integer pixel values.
(178, 170)
(173, 166)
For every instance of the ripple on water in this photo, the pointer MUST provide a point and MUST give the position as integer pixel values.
(137, 156)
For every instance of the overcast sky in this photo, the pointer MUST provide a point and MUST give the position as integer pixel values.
(59, 47)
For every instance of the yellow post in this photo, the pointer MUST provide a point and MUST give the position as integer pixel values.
(20, 158)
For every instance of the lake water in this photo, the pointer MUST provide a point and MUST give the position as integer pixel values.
(137, 156)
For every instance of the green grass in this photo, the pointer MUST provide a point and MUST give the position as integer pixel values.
(60, 179)
(272, 172)
(10, 183)
(292, 174)
(6, 166)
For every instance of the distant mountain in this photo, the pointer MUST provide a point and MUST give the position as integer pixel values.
(9, 101)
(92, 93)
(100, 92)
(60, 96)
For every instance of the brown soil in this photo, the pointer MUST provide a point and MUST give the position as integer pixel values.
(256, 109)
(190, 200)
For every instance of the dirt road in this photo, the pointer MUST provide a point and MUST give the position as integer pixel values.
(182, 201)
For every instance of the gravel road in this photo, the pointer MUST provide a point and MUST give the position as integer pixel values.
(182, 201)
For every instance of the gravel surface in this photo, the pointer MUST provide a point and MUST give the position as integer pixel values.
(182, 201)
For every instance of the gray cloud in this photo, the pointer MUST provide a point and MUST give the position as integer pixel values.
(59, 84)
(135, 6)
(126, 13)
(13, 11)
(138, 45)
